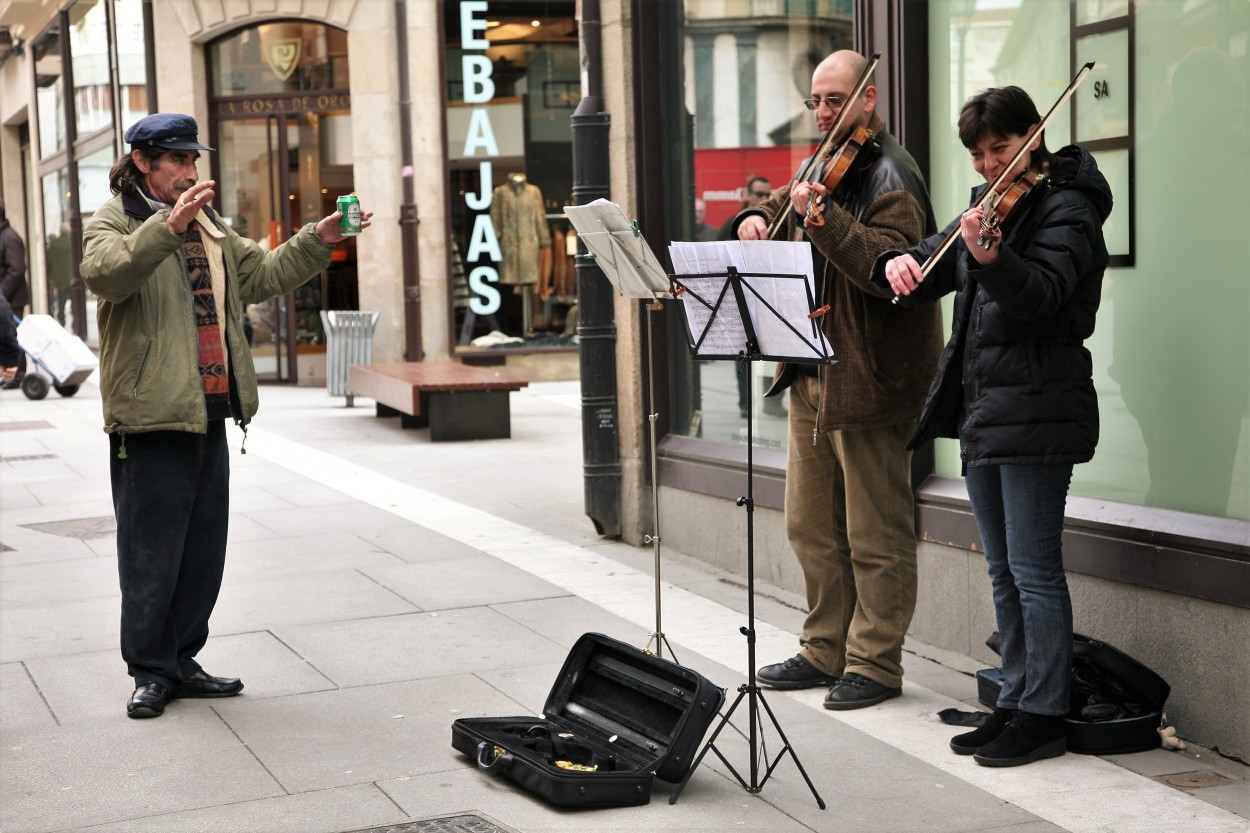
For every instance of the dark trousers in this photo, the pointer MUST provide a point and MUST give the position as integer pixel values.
(171, 495)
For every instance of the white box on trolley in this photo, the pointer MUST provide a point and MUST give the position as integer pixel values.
(64, 355)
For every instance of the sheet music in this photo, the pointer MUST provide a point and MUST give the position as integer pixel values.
(778, 306)
(728, 335)
(619, 251)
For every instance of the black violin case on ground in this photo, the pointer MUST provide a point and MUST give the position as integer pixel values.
(1117, 703)
(615, 718)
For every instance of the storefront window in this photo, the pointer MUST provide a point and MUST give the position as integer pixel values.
(50, 93)
(57, 245)
(1172, 349)
(748, 68)
(284, 154)
(282, 57)
(89, 50)
(131, 60)
(512, 85)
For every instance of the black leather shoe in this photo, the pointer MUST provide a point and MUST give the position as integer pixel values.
(795, 672)
(970, 742)
(855, 691)
(1027, 738)
(148, 701)
(200, 684)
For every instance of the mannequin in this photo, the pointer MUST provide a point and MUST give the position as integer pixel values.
(517, 211)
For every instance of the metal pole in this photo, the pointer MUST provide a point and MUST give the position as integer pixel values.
(408, 210)
(596, 330)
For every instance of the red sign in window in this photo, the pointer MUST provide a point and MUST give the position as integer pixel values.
(721, 174)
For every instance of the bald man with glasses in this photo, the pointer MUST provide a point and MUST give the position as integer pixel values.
(849, 503)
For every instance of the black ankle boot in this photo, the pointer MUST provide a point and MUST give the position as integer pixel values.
(1027, 738)
(970, 742)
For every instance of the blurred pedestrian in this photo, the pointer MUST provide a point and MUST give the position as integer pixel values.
(10, 351)
(13, 284)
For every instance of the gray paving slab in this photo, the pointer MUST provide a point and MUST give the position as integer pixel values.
(415, 543)
(70, 580)
(709, 805)
(105, 771)
(332, 739)
(1233, 797)
(319, 811)
(387, 649)
(247, 560)
(14, 496)
(59, 629)
(563, 620)
(21, 706)
(436, 585)
(861, 781)
(27, 546)
(289, 599)
(243, 528)
(342, 516)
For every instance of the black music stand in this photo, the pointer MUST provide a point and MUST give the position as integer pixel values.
(751, 317)
(630, 266)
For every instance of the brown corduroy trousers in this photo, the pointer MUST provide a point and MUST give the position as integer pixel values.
(850, 517)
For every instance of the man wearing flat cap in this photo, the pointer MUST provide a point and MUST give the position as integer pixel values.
(173, 282)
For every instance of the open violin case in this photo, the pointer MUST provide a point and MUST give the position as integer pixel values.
(1117, 703)
(616, 718)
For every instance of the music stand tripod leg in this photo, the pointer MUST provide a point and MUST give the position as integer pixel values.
(750, 689)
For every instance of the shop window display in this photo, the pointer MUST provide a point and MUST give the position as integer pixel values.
(512, 86)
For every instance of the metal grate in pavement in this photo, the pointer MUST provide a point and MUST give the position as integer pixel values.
(1194, 780)
(25, 426)
(82, 528)
(465, 823)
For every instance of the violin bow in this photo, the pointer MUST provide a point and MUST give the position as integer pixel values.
(1015, 160)
(826, 143)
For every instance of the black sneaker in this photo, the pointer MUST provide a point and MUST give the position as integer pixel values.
(795, 672)
(1027, 738)
(970, 742)
(855, 691)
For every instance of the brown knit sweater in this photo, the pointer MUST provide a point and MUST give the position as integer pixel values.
(886, 355)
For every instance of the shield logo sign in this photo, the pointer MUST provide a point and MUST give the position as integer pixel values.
(284, 57)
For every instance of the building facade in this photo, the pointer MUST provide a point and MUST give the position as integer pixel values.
(305, 101)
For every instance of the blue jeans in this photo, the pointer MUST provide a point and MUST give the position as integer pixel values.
(1019, 511)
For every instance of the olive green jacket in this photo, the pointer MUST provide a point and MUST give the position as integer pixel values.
(149, 346)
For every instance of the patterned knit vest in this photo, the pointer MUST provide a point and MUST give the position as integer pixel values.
(213, 371)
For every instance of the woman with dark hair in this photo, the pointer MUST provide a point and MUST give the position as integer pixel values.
(1015, 386)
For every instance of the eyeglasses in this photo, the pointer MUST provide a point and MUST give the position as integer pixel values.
(833, 101)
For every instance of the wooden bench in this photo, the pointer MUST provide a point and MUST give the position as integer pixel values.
(456, 401)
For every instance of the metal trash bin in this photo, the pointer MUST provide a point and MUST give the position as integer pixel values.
(349, 341)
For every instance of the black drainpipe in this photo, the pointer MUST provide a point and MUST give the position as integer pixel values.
(596, 325)
(408, 211)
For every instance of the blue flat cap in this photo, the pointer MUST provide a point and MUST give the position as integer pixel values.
(172, 131)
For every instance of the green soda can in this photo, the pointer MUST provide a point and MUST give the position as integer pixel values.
(349, 220)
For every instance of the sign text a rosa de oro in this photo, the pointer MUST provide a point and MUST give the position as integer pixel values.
(264, 105)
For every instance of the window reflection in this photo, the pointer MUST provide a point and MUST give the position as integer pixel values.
(89, 51)
(747, 70)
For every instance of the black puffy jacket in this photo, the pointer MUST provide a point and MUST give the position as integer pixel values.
(1015, 380)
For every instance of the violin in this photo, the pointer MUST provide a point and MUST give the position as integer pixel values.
(999, 205)
(825, 152)
(835, 170)
(986, 241)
